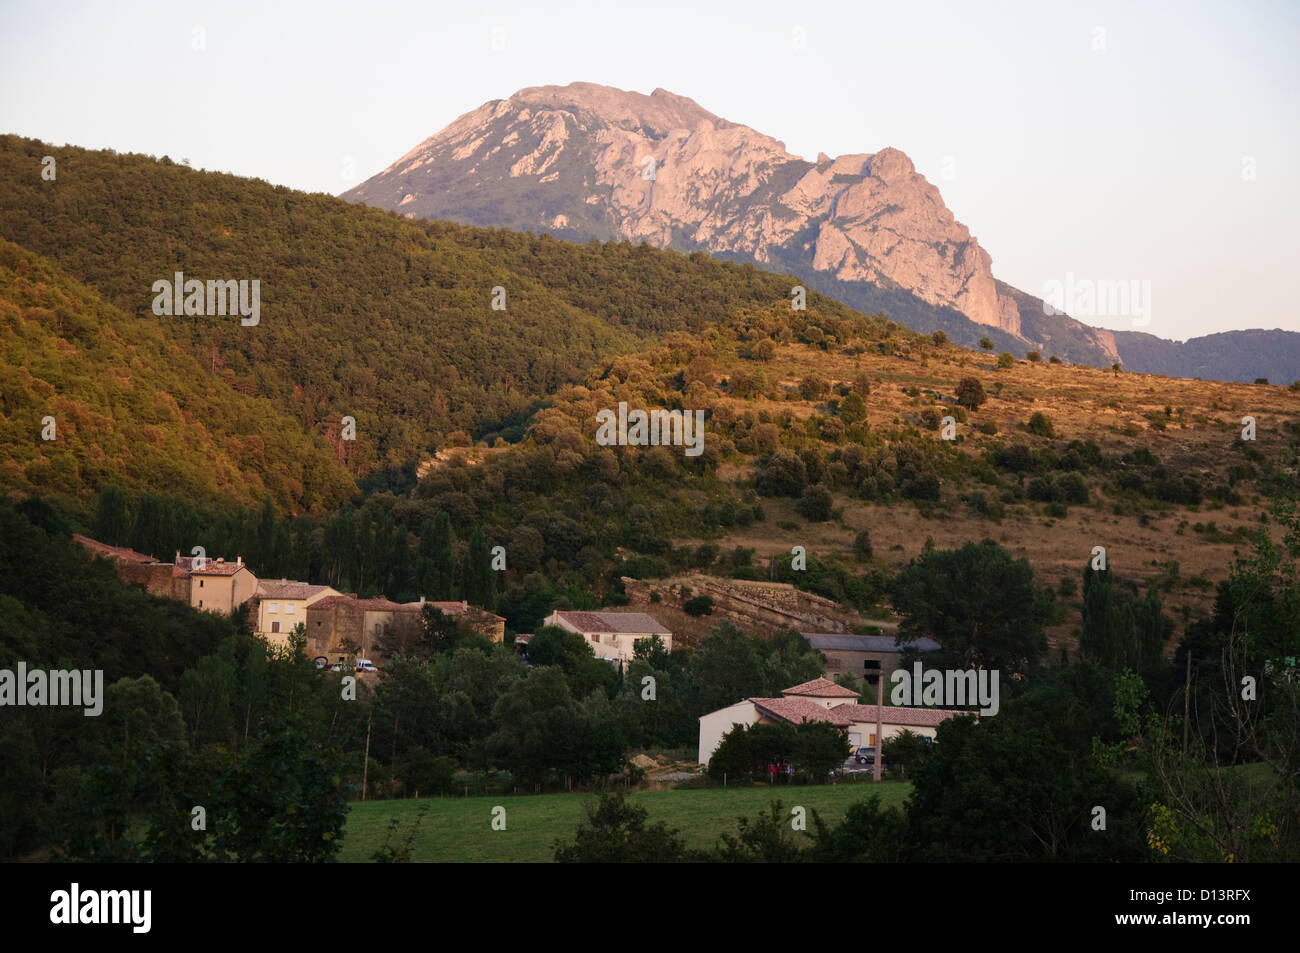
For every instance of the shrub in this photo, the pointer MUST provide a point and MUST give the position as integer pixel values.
(852, 408)
(1040, 425)
(815, 504)
(862, 546)
(1054, 360)
(700, 605)
(813, 386)
(1014, 457)
(970, 393)
(1006, 360)
(781, 474)
(986, 344)
(1033, 356)
(988, 427)
(924, 487)
(1071, 489)
(938, 337)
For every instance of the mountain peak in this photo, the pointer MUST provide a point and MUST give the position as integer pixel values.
(661, 112)
(590, 161)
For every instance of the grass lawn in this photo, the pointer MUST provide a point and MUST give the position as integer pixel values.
(460, 829)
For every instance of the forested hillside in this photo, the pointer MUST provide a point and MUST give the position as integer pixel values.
(131, 407)
(363, 313)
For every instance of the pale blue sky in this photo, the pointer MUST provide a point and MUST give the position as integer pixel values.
(1118, 163)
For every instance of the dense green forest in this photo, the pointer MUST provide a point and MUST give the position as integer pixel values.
(132, 407)
(198, 713)
(363, 313)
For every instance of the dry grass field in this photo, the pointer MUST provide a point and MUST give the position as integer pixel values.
(1194, 427)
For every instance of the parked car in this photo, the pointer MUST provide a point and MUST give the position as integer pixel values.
(336, 667)
(866, 755)
(365, 665)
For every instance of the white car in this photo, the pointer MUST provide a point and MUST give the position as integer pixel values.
(365, 665)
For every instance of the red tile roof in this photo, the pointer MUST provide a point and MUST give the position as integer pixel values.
(797, 709)
(793, 710)
(632, 622)
(113, 552)
(894, 715)
(822, 688)
(379, 604)
(185, 566)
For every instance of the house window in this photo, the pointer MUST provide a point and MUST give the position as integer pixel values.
(595, 638)
(275, 627)
(611, 640)
(200, 603)
(200, 583)
(272, 607)
(290, 608)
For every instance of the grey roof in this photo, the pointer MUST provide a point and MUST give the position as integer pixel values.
(864, 643)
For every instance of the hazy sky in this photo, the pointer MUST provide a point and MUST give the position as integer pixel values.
(1148, 142)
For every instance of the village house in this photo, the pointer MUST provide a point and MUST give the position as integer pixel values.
(862, 655)
(283, 605)
(611, 635)
(487, 624)
(213, 585)
(819, 700)
(338, 624)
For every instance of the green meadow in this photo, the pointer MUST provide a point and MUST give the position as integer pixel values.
(458, 830)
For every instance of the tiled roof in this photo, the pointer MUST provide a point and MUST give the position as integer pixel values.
(455, 608)
(893, 715)
(292, 590)
(822, 688)
(113, 552)
(635, 622)
(834, 641)
(378, 604)
(795, 710)
(185, 566)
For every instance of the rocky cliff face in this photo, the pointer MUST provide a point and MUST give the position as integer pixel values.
(586, 161)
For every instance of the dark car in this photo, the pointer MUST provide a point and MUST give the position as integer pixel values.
(866, 755)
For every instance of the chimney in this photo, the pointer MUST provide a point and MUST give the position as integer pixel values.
(239, 560)
(421, 600)
(220, 560)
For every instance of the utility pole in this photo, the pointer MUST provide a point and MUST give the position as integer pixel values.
(365, 768)
(880, 742)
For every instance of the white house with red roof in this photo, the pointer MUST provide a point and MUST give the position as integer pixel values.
(612, 635)
(819, 700)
